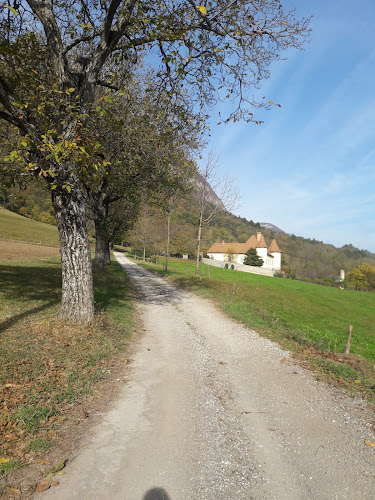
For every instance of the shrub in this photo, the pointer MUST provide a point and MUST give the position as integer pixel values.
(253, 259)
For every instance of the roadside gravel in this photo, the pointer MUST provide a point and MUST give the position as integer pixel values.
(214, 411)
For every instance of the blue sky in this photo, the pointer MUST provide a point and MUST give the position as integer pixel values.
(309, 169)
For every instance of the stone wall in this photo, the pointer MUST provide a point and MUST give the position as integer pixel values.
(240, 267)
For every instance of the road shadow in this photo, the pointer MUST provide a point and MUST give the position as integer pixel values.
(156, 494)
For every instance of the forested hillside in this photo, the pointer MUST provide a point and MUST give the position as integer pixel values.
(302, 257)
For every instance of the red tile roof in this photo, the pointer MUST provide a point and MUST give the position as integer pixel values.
(274, 247)
(242, 248)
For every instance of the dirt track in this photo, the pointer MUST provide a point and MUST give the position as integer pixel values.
(213, 411)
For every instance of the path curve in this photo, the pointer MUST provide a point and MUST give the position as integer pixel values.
(214, 411)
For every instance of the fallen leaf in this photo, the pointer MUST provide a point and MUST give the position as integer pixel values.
(369, 443)
(55, 483)
(43, 461)
(59, 466)
(15, 491)
(283, 360)
(4, 460)
(43, 486)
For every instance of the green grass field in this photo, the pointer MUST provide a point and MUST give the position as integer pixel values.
(16, 227)
(300, 316)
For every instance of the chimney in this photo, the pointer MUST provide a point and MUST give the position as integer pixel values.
(259, 235)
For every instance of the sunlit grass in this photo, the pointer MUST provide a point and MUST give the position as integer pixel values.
(300, 316)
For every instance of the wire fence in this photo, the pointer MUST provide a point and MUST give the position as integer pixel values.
(42, 241)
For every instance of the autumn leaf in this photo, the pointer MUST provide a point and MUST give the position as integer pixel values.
(43, 485)
(13, 11)
(42, 461)
(4, 460)
(202, 9)
(59, 466)
(369, 443)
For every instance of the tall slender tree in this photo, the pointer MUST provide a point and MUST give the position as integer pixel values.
(222, 186)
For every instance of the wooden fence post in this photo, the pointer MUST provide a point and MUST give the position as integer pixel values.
(348, 339)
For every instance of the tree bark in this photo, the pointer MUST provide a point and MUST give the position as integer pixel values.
(168, 239)
(107, 257)
(102, 251)
(77, 303)
(101, 243)
(199, 242)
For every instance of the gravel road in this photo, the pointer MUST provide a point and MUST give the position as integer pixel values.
(214, 411)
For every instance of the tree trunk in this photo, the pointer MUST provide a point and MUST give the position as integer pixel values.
(102, 251)
(101, 244)
(77, 303)
(199, 243)
(168, 238)
(107, 257)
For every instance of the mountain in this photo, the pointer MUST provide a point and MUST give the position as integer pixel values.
(198, 182)
(271, 227)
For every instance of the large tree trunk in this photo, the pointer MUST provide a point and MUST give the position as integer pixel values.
(77, 303)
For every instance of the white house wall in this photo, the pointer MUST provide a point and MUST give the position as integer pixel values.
(268, 262)
(276, 260)
(240, 267)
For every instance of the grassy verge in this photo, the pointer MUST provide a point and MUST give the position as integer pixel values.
(308, 319)
(47, 364)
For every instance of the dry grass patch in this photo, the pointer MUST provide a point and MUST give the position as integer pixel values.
(17, 250)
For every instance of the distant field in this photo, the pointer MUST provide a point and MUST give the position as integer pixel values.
(296, 314)
(16, 227)
(18, 250)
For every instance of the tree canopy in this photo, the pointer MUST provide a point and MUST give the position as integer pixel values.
(56, 55)
(363, 277)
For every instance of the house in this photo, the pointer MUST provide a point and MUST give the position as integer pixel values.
(236, 252)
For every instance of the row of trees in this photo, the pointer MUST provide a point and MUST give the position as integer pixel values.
(72, 76)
